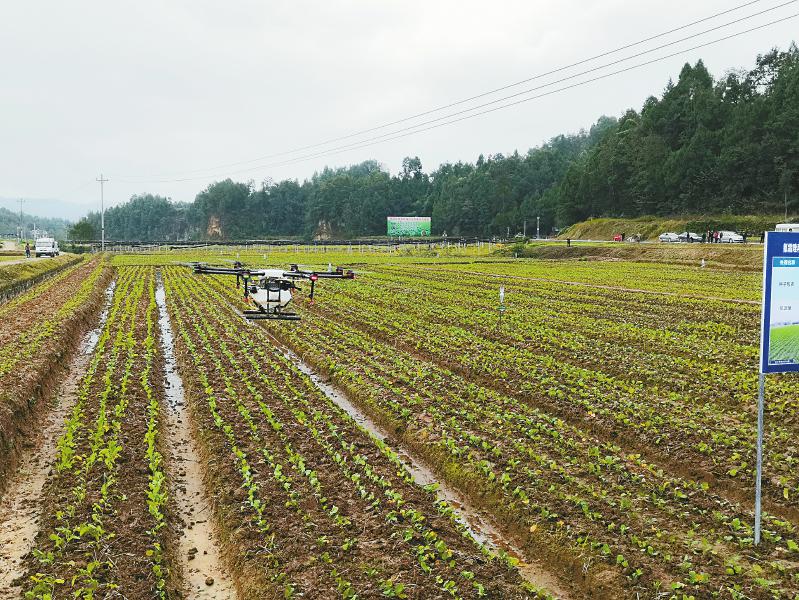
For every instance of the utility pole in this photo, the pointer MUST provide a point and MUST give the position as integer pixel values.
(538, 228)
(102, 214)
(21, 224)
(525, 229)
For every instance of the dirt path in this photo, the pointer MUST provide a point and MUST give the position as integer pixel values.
(198, 551)
(479, 523)
(20, 507)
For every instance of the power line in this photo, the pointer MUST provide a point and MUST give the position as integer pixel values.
(82, 186)
(489, 92)
(441, 121)
(575, 76)
(404, 133)
(382, 139)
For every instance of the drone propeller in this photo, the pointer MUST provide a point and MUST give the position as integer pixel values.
(331, 273)
(237, 264)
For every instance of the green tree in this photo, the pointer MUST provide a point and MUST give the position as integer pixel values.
(83, 230)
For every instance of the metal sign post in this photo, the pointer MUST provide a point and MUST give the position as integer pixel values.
(758, 481)
(779, 330)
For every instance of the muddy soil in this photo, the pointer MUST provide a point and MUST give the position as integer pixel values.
(479, 523)
(21, 506)
(377, 538)
(110, 493)
(198, 552)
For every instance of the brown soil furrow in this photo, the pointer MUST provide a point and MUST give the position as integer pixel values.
(21, 506)
(287, 391)
(23, 387)
(198, 553)
(480, 524)
(684, 462)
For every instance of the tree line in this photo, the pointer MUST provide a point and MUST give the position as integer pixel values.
(704, 146)
(10, 225)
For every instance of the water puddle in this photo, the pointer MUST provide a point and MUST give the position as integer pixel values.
(21, 506)
(91, 339)
(479, 524)
(204, 573)
(174, 384)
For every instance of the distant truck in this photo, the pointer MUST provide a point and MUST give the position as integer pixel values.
(787, 227)
(46, 247)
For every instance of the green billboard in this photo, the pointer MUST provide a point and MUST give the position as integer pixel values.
(408, 226)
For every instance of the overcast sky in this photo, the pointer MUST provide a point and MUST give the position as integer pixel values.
(145, 91)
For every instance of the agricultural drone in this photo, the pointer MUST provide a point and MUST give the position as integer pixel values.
(270, 289)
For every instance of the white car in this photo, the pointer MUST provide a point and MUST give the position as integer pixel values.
(730, 237)
(669, 237)
(46, 247)
(688, 236)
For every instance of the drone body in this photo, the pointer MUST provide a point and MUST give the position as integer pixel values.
(270, 289)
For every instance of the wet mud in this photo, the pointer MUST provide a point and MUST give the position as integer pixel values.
(477, 522)
(21, 506)
(198, 551)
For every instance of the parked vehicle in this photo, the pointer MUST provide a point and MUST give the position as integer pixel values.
(617, 237)
(47, 247)
(689, 236)
(787, 227)
(730, 237)
(669, 237)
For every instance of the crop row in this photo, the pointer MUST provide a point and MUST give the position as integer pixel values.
(334, 510)
(17, 277)
(553, 360)
(34, 342)
(685, 280)
(103, 528)
(661, 531)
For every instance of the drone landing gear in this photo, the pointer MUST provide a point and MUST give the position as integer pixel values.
(257, 315)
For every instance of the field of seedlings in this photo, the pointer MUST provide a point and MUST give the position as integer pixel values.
(18, 273)
(404, 439)
(37, 334)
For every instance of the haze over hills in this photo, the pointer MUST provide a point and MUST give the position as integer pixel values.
(50, 207)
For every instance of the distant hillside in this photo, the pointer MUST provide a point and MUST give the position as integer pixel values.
(9, 223)
(649, 228)
(725, 145)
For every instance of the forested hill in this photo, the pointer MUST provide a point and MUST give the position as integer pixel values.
(704, 145)
(730, 145)
(10, 222)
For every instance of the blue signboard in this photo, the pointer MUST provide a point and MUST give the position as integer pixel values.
(779, 329)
